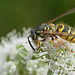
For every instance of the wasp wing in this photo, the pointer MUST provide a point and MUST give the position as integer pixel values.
(48, 33)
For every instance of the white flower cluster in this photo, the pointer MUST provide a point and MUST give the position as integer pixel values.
(65, 63)
(14, 48)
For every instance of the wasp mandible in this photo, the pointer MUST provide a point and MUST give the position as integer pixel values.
(46, 30)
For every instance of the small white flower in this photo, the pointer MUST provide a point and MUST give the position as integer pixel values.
(25, 54)
(10, 67)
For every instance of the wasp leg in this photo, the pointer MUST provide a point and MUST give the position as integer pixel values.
(38, 43)
(65, 46)
(57, 47)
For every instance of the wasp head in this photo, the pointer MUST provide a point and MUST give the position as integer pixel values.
(33, 34)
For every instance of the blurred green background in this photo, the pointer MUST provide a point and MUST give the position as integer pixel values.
(16, 14)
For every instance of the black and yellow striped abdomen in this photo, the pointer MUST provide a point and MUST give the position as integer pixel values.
(66, 29)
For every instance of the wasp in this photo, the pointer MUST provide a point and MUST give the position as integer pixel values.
(48, 29)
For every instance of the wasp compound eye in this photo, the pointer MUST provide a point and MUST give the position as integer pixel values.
(33, 34)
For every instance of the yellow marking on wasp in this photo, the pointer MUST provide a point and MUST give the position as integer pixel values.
(73, 33)
(44, 28)
(41, 34)
(52, 26)
(73, 41)
(63, 37)
(69, 39)
(69, 30)
(60, 29)
(38, 31)
(48, 29)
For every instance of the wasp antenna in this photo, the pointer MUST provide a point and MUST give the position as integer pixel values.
(62, 15)
(30, 42)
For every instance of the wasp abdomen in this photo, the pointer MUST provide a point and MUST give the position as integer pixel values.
(66, 29)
